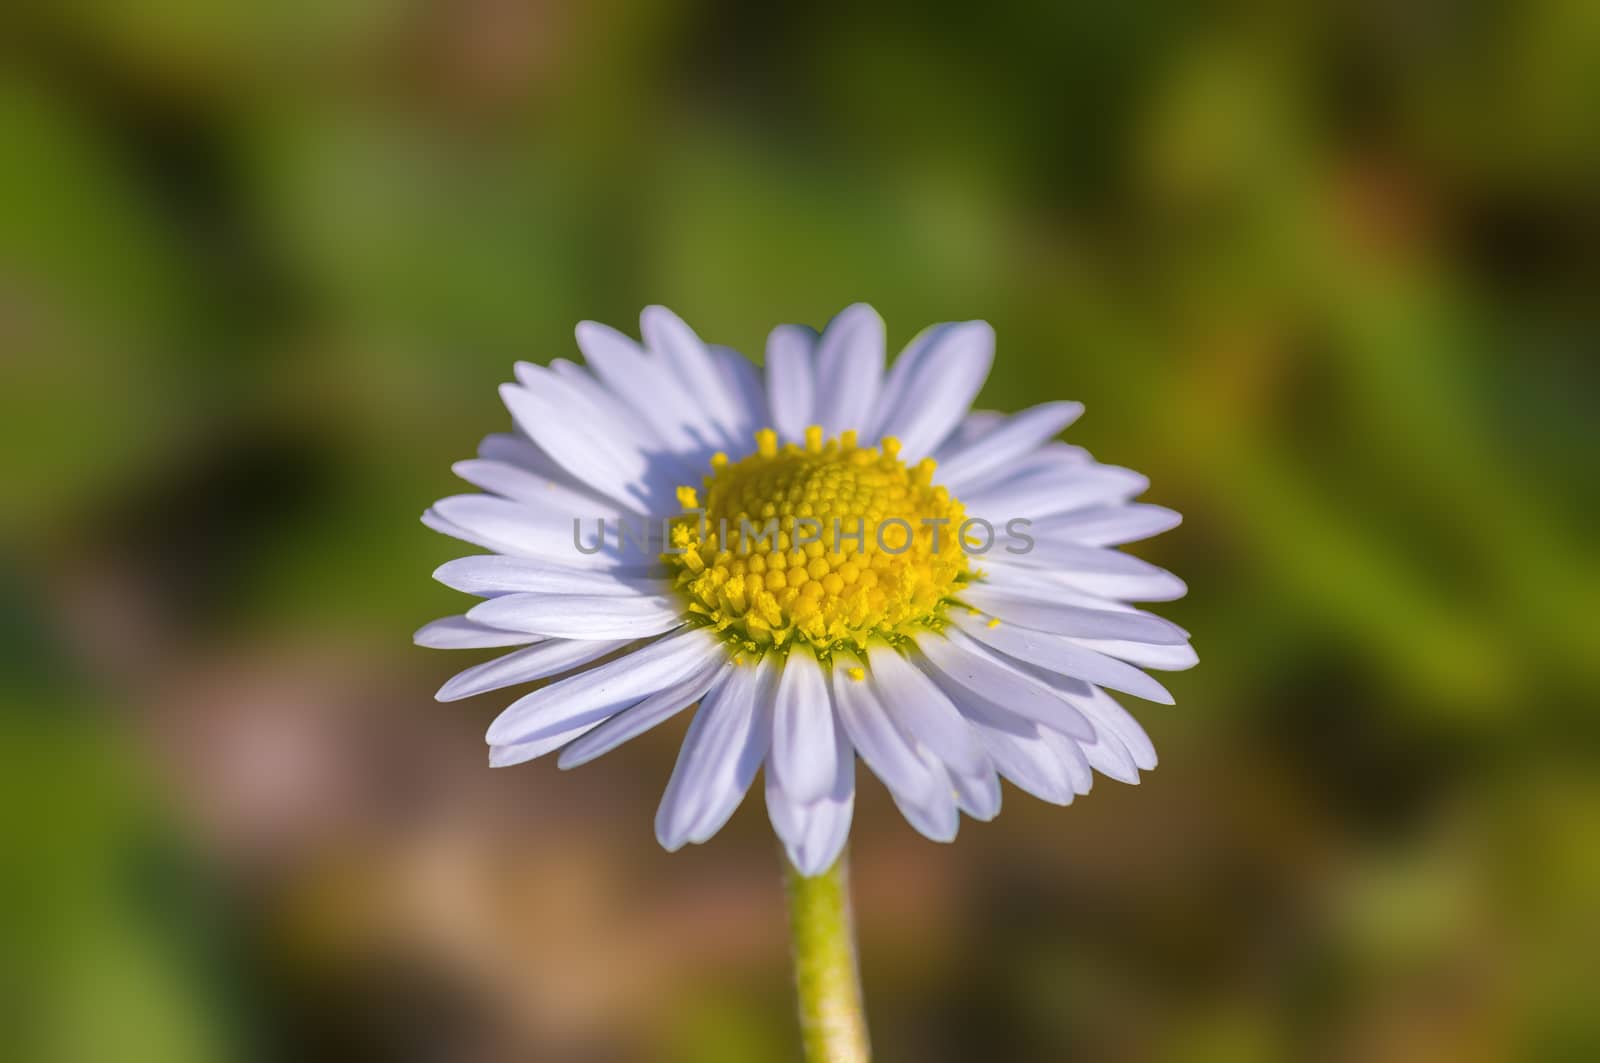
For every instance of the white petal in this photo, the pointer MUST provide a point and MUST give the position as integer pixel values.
(1156, 585)
(849, 369)
(727, 741)
(1109, 525)
(575, 391)
(1020, 752)
(525, 665)
(1110, 716)
(1034, 755)
(1071, 620)
(601, 692)
(624, 428)
(547, 495)
(666, 334)
(580, 616)
(459, 633)
(487, 574)
(657, 708)
(646, 384)
(974, 669)
(514, 448)
(1018, 436)
(521, 530)
(906, 368)
(743, 381)
(973, 427)
(505, 756)
(1162, 658)
(1110, 757)
(887, 752)
(922, 712)
(1053, 483)
(1079, 770)
(978, 795)
(1123, 745)
(1119, 748)
(1108, 573)
(802, 729)
(581, 440)
(1037, 584)
(1058, 553)
(791, 381)
(934, 814)
(951, 366)
(1006, 573)
(814, 834)
(498, 524)
(1060, 655)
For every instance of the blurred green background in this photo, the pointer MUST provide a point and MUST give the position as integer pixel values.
(1330, 276)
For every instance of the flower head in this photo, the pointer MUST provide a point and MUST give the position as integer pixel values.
(788, 550)
(829, 562)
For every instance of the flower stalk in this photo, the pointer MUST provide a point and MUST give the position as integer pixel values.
(833, 1023)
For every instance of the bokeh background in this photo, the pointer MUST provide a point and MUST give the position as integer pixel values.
(1329, 274)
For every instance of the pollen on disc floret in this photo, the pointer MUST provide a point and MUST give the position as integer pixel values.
(829, 544)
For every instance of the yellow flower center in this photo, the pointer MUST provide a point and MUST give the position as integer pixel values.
(830, 544)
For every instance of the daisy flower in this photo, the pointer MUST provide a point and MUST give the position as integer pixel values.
(831, 560)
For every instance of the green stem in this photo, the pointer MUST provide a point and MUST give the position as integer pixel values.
(833, 1024)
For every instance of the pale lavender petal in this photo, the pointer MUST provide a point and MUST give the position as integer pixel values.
(802, 730)
(922, 712)
(933, 814)
(976, 670)
(814, 834)
(950, 370)
(459, 633)
(599, 693)
(849, 369)
(494, 574)
(540, 661)
(1016, 437)
(978, 794)
(727, 741)
(1053, 483)
(647, 384)
(547, 495)
(514, 753)
(743, 380)
(1071, 620)
(1060, 655)
(887, 752)
(657, 708)
(578, 437)
(1176, 658)
(791, 381)
(1019, 750)
(1110, 525)
(668, 336)
(1109, 715)
(580, 616)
